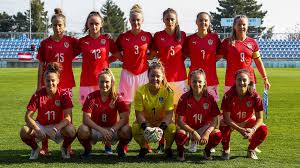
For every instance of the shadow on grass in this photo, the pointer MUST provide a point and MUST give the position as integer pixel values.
(8, 157)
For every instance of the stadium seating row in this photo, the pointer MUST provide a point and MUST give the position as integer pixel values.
(270, 49)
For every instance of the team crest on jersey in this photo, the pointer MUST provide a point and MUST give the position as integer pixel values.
(50, 47)
(161, 100)
(87, 43)
(66, 44)
(248, 103)
(249, 45)
(189, 105)
(162, 39)
(57, 103)
(127, 39)
(194, 42)
(143, 38)
(210, 42)
(205, 106)
(103, 41)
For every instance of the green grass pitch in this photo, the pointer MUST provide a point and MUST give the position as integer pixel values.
(281, 149)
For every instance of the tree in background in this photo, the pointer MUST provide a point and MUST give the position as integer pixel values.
(231, 8)
(113, 16)
(21, 22)
(6, 22)
(38, 16)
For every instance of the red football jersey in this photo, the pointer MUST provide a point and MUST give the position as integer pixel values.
(50, 110)
(238, 56)
(170, 54)
(103, 113)
(62, 52)
(95, 54)
(241, 110)
(134, 50)
(197, 113)
(202, 53)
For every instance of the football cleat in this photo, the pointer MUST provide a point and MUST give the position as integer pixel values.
(142, 153)
(107, 149)
(193, 147)
(34, 154)
(64, 153)
(252, 154)
(225, 155)
(207, 154)
(160, 148)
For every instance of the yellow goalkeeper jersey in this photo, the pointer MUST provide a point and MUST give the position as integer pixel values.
(153, 107)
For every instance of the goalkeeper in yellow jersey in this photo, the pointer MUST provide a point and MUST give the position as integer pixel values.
(154, 107)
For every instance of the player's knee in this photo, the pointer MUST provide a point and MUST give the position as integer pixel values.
(69, 131)
(83, 132)
(181, 137)
(25, 132)
(217, 136)
(263, 131)
(125, 132)
(137, 130)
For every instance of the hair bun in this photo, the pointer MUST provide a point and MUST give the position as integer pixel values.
(54, 67)
(58, 11)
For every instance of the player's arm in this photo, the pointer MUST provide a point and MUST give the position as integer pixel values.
(32, 124)
(232, 124)
(168, 118)
(67, 120)
(187, 128)
(260, 67)
(152, 54)
(30, 121)
(116, 55)
(40, 74)
(140, 117)
(124, 118)
(259, 120)
(184, 125)
(219, 56)
(87, 120)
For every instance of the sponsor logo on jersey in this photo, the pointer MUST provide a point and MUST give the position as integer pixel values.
(189, 105)
(162, 39)
(66, 44)
(205, 106)
(57, 103)
(103, 41)
(143, 38)
(87, 43)
(248, 103)
(50, 47)
(210, 42)
(161, 100)
(127, 39)
(194, 42)
(249, 45)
